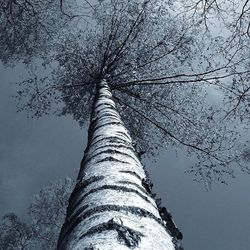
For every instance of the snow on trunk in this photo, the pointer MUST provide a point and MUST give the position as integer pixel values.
(111, 207)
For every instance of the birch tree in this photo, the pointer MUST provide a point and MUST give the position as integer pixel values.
(111, 205)
(162, 70)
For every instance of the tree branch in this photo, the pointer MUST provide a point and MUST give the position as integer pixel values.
(163, 130)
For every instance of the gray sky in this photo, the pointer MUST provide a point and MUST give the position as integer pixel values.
(35, 152)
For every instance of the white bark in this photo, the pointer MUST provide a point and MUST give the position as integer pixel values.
(110, 208)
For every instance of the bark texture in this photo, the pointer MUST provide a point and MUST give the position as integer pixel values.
(111, 207)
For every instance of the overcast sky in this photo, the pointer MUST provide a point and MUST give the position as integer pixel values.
(35, 152)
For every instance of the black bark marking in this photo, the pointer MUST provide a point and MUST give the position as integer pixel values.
(107, 124)
(110, 158)
(126, 235)
(134, 184)
(106, 115)
(108, 151)
(115, 145)
(69, 224)
(110, 139)
(106, 208)
(124, 134)
(118, 188)
(90, 144)
(99, 113)
(147, 184)
(91, 131)
(107, 111)
(77, 213)
(105, 95)
(108, 105)
(131, 172)
(167, 217)
(79, 187)
(113, 187)
(66, 230)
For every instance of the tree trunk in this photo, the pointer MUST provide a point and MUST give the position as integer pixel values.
(111, 207)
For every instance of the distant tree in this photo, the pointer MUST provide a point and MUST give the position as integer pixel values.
(15, 234)
(174, 83)
(46, 216)
(47, 212)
